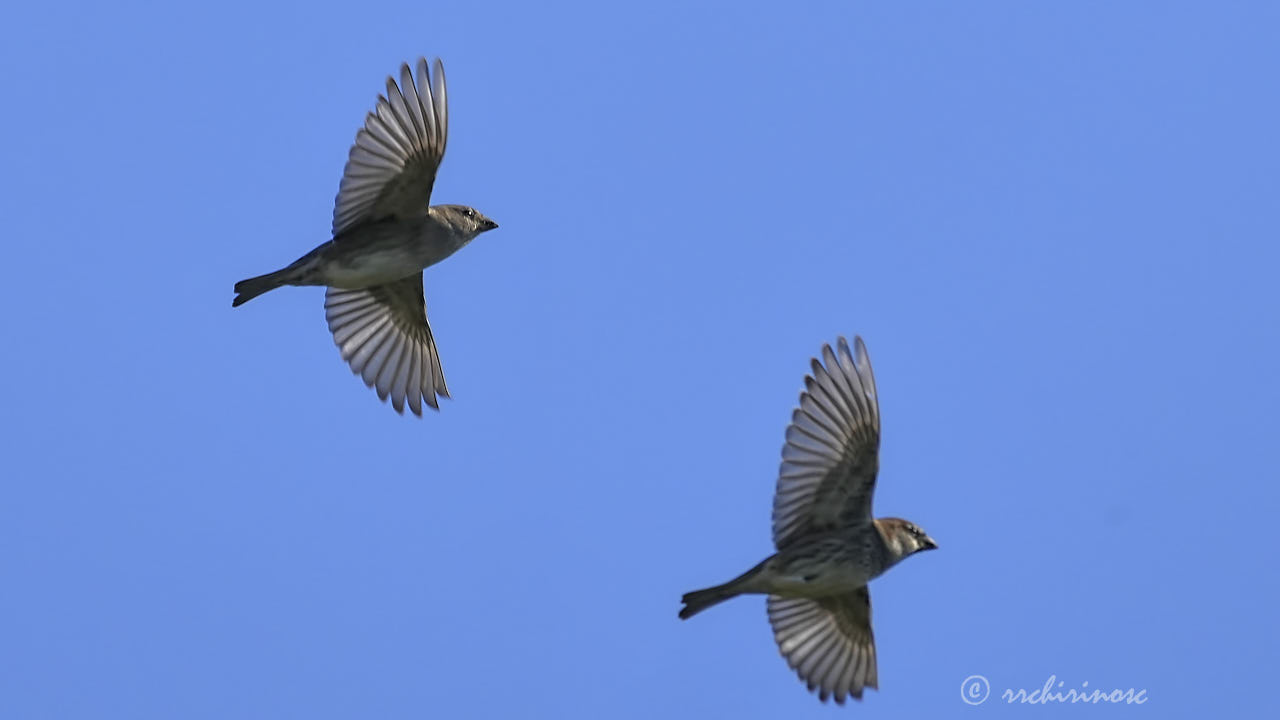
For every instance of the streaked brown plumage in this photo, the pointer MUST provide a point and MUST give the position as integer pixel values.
(829, 546)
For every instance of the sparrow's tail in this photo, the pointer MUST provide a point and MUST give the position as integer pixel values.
(253, 287)
(699, 600)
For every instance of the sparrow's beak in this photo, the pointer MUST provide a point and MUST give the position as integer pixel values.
(488, 225)
(929, 544)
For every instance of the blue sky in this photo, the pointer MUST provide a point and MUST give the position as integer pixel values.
(1055, 227)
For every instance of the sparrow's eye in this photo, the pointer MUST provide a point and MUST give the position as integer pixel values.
(471, 213)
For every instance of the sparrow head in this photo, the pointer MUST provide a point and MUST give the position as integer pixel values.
(903, 538)
(465, 221)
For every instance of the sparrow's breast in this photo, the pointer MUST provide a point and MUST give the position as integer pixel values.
(376, 254)
(823, 566)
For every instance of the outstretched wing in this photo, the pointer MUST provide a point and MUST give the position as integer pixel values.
(393, 163)
(831, 455)
(383, 333)
(828, 642)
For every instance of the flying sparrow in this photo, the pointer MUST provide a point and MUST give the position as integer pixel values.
(384, 235)
(829, 545)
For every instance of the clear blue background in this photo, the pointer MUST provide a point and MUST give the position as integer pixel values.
(1054, 224)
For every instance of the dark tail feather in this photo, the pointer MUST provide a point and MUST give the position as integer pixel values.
(699, 600)
(253, 287)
